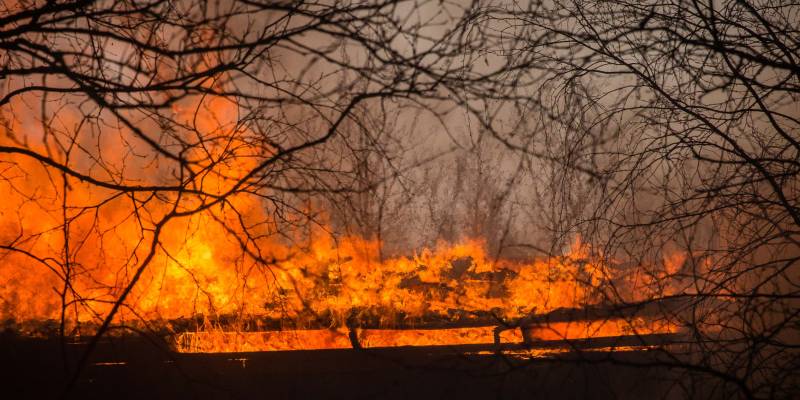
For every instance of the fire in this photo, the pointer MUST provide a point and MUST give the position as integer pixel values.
(220, 341)
(70, 247)
(336, 281)
(234, 342)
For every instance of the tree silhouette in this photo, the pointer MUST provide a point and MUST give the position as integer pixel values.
(665, 134)
(686, 115)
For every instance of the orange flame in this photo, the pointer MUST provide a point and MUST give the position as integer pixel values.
(200, 267)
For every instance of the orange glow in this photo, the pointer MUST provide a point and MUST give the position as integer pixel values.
(217, 341)
(202, 270)
(600, 328)
(526, 354)
(234, 342)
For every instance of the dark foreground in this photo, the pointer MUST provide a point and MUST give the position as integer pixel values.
(134, 368)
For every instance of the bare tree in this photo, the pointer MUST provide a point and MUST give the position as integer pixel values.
(686, 125)
(124, 120)
(130, 128)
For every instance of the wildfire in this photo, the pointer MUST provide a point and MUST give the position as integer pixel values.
(332, 279)
(70, 249)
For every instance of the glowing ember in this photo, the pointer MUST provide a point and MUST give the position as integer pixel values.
(597, 329)
(230, 342)
(234, 342)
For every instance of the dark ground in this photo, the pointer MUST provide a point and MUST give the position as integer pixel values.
(133, 368)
